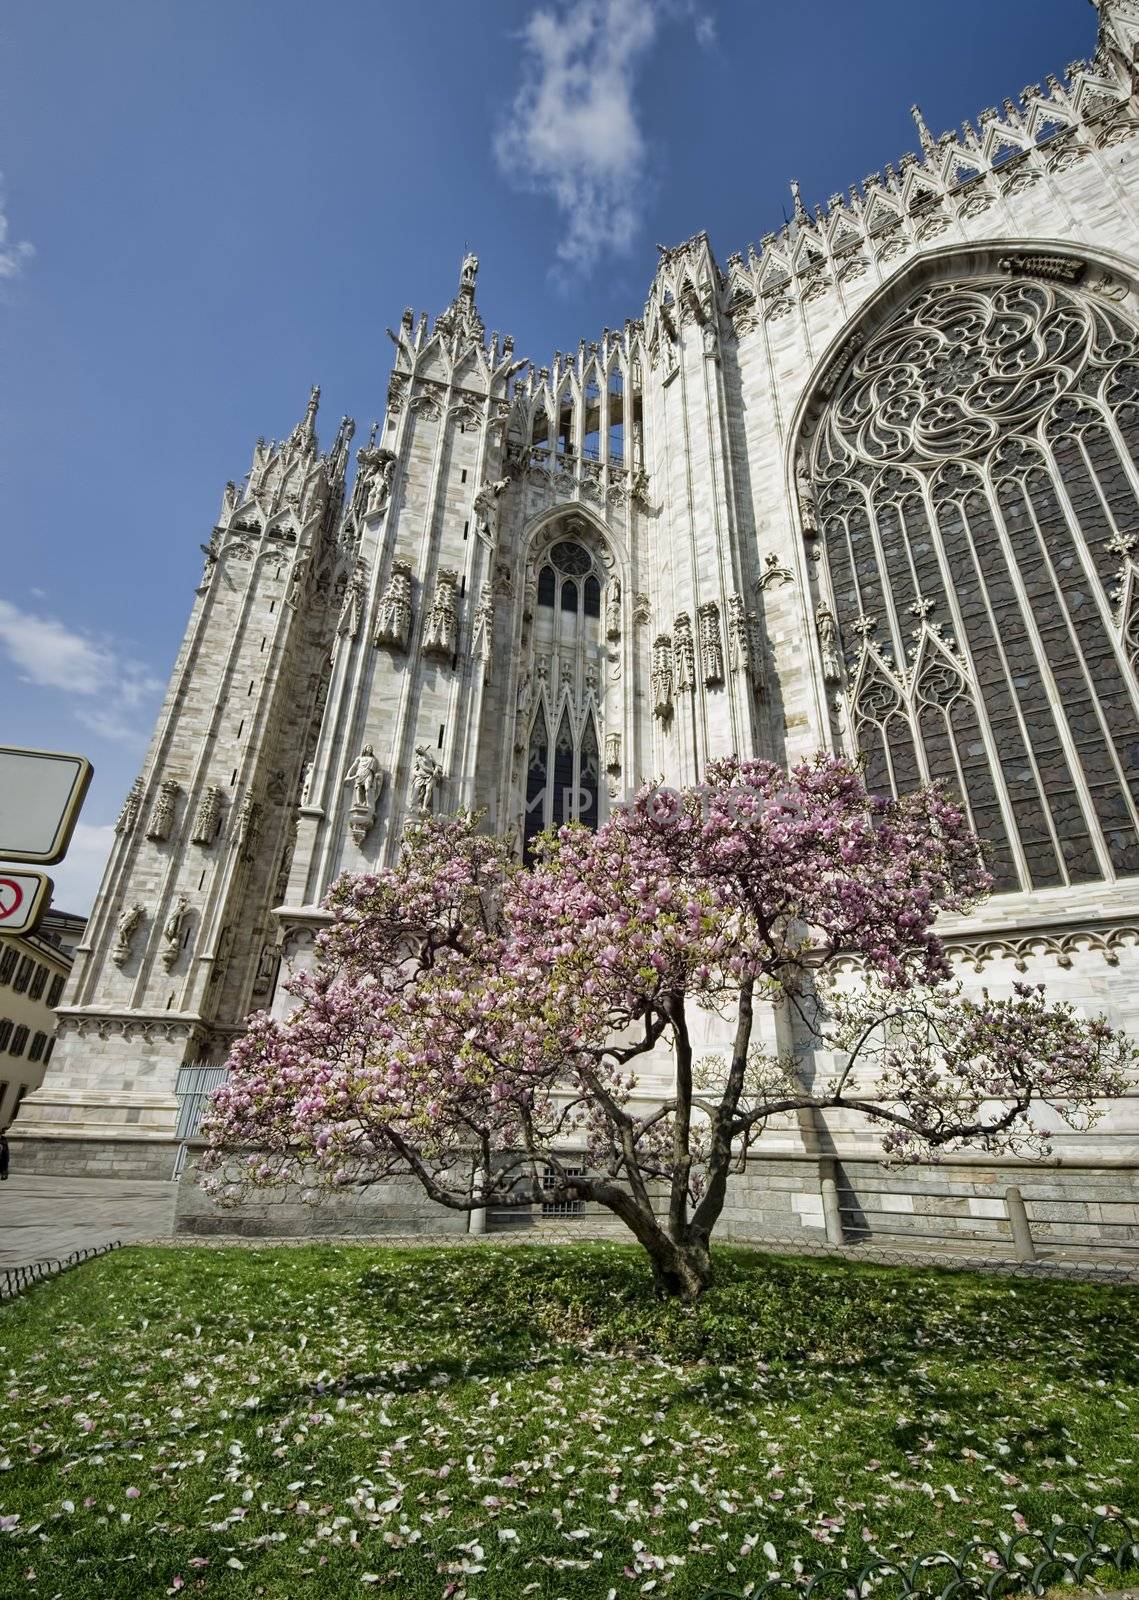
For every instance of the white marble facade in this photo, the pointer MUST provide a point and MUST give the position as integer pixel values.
(857, 486)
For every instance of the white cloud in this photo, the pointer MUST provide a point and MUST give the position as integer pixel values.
(110, 688)
(78, 875)
(14, 254)
(574, 131)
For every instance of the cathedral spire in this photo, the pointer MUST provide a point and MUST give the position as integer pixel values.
(928, 142)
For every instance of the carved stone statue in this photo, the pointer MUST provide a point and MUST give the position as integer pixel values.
(393, 623)
(125, 929)
(352, 610)
(364, 776)
(808, 504)
(525, 694)
(162, 817)
(744, 652)
(469, 271)
(248, 827)
(829, 643)
(367, 780)
(613, 752)
(128, 816)
(209, 815)
(441, 627)
(297, 581)
(486, 510)
(426, 776)
(306, 783)
(613, 610)
(172, 931)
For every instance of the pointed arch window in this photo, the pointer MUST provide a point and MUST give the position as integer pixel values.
(976, 480)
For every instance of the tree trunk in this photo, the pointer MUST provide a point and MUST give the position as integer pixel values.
(680, 1271)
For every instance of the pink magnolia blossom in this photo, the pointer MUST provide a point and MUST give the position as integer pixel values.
(476, 1026)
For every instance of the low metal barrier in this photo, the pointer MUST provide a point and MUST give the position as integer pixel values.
(16, 1279)
(980, 1570)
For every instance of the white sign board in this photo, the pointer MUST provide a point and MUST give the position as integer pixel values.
(40, 796)
(23, 897)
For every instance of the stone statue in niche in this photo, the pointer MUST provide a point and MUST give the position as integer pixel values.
(830, 645)
(613, 610)
(162, 817)
(393, 624)
(482, 637)
(130, 920)
(172, 931)
(426, 776)
(366, 777)
(352, 610)
(808, 504)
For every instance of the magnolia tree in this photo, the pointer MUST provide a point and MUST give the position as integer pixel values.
(477, 1027)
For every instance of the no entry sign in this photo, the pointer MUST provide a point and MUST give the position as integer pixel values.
(41, 792)
(23, 896)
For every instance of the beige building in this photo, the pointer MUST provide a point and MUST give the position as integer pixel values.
(34, 968)
(870, 484)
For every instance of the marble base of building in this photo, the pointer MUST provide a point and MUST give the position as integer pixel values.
(92, 1157)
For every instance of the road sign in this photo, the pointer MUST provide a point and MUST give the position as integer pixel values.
(41, 792)
(23, 900)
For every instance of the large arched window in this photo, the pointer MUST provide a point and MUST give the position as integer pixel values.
(563, 764)
(975, 480)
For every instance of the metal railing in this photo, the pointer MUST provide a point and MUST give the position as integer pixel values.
(16, 1280)
(980, 1570)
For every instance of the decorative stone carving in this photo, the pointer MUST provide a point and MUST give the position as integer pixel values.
(613, 610)
(441, 627)
(743, 649)
(642, 608)
(711, 644)
(126, 927)
(426, 776)
(1060, 269)
(128, 816)
(162, 817)
(482, 628)
(830, 645)
(366, 777)
(393, 624)
(613, 752)
(684, 650)
(662, 676)
(774, 572)
(306, 783)
(208, 817)
(172, 931)
(352, 609)
(211, 552)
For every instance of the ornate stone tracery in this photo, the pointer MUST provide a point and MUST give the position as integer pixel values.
(979, 457)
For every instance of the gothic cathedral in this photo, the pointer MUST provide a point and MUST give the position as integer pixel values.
(872, 485)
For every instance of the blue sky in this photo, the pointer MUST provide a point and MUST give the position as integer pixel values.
(209, 207)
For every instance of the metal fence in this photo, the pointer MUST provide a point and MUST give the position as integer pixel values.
(1108, 1547)
(16, 1279)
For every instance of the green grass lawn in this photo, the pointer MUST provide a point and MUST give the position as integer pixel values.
(499, 1422)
